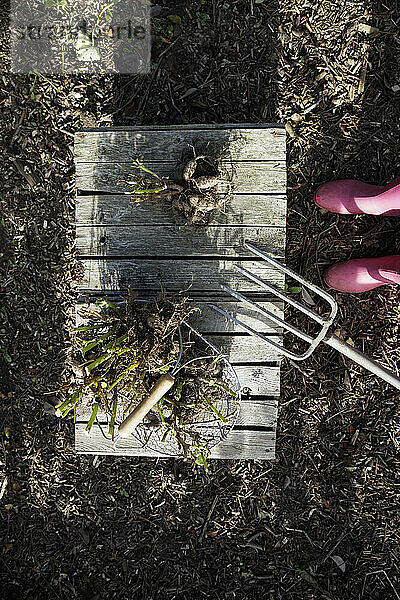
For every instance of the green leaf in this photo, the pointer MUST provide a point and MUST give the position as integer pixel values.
(69, 404)
(175, 19)
(96, 342)
(125, 372)
(292, 290)
(115, 344)
(106, 302)
(98, 361)
(178, 392)
(112, 354)
(123, 492)
(160, 411)
(148, 191)
(139, 165)
(6, 355)
(200, 457)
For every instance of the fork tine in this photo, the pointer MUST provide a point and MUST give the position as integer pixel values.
(311, 286)
(268, 314)
(271, 288)
(255, 333)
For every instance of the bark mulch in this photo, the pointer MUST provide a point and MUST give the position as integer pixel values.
(320, 522)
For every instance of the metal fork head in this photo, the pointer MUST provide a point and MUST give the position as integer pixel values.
(325, 323)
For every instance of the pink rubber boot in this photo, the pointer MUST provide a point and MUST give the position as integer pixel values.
(350, 197)
(363, 274)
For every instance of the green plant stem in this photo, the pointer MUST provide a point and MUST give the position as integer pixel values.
(125, 372)
(113, 417)
(212, 407)
(92, 418)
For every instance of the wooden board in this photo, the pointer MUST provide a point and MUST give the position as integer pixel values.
(206, 320)
(170, 240)
(236, 345)
(144, 246)
(245, 177)
(240, 444)
(173, 274)
(254, 412)
(242, 349)
(131, 144)
(252, 209)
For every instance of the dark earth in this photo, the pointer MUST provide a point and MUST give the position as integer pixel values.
(322, 520)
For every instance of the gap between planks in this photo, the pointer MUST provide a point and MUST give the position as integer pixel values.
(192, 126)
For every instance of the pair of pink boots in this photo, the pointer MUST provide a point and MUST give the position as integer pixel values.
(351, 197)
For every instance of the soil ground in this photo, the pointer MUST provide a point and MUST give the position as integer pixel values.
(319, 522)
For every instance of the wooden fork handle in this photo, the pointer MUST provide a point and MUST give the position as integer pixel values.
(159, 389)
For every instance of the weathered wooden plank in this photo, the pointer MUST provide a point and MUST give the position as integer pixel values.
(174, 275)
(256, 209)
(253, 413)
(243, 348)
(240, 444)
(246, 349)
(247, 445)
(207, 320)
(260, 380)
(172, 240)
(266, 177)
(194, 126)
(155, 143)
(255, 381)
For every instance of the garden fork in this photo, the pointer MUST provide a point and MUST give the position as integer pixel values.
(325, 335)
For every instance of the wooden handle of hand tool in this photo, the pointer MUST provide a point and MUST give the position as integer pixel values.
(159, 389)
(363, 360)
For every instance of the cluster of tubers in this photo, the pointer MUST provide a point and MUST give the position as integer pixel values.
(191, 192)
(197, 197)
